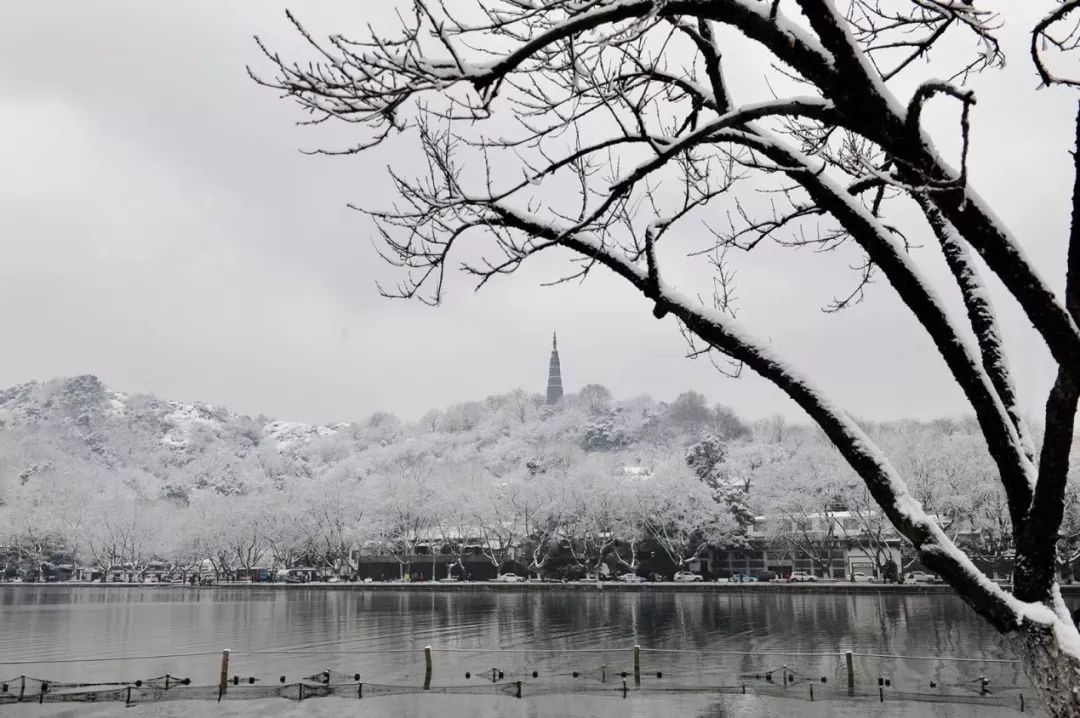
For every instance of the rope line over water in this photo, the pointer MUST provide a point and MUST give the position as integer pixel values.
(827, 654)
(556, 651)
(105, 659)
(1014, 661)
(791, 685)
(615, 672)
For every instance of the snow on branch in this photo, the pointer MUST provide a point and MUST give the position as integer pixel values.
(373, 81)
(888, 489)
(981, 315)
(1017, 470)
(1048, 505)
(1055, 31)
(599, 128)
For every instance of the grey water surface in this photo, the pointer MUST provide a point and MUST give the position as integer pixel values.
(695, 641)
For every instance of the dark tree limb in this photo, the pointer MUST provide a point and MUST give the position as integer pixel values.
(968, 214)
(1038, 537)
(1043, 34)
(1017, 472)
(981, 315)
(935, 549)
(842, 156)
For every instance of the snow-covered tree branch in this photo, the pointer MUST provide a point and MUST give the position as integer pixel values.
(610, 129)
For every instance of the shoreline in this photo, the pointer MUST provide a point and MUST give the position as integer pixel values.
(837, 587)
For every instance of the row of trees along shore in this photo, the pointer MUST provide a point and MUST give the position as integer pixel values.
(626, 133)
(636, 485)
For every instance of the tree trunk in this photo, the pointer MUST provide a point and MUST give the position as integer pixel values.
(1054, 672)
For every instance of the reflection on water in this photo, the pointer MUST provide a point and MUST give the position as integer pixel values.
(728, 637)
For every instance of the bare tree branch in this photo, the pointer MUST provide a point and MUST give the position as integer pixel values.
(1039, 534)
(626, 140)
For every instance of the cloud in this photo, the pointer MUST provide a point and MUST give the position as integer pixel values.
(159, 227)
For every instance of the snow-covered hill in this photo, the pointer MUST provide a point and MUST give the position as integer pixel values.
(78, 432)
(78, 426)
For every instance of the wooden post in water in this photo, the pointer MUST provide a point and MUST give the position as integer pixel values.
(224, 680)
(637, 665)
(22, 687)
(850, 675)
(427, 668)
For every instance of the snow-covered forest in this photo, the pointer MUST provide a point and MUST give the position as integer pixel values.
(99, 478)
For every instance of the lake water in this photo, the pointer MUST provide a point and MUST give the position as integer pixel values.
(695, 640)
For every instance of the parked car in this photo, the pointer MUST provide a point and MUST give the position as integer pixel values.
(334, 579)
(686, 577)
(743, 578)
(508, 578)
(860, 577)
(765, 576)
(920, 577)
(631, 578)
(802, 577)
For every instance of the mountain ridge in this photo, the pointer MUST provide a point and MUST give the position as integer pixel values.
(79, 429)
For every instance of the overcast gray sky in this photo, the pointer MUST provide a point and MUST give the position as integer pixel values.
(159, 228)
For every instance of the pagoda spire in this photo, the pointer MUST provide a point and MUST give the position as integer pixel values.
(554, 384)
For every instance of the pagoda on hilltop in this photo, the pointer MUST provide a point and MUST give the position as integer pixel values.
(554, 384)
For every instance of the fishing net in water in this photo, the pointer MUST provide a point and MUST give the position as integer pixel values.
(616, 673)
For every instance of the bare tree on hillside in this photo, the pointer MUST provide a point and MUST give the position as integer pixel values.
(627, 102)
